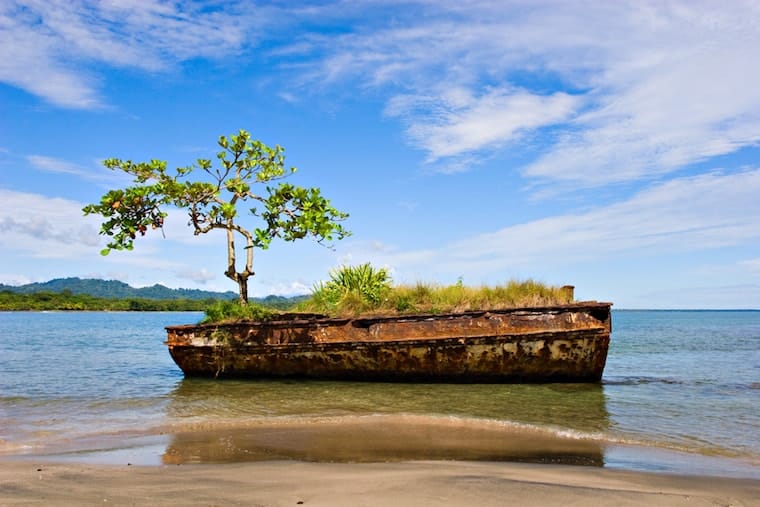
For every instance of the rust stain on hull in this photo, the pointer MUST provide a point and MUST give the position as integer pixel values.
(566, 343)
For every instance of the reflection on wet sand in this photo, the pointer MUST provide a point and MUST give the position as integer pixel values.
(218, 422)
(381, 438)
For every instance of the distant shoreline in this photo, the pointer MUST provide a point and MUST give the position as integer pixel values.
(201, 308)
(47, 301)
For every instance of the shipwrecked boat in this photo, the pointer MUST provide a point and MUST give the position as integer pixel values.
(563, 343)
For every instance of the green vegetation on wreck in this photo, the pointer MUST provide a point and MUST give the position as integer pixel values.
(350, 291)
(226, 311)
(354, 290)
(365, 290)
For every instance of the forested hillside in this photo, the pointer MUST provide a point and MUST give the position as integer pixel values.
(93, 294)
(114, 289)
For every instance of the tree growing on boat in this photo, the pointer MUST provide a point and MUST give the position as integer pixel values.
(212, 202)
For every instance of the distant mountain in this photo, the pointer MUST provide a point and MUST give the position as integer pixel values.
(114, 289)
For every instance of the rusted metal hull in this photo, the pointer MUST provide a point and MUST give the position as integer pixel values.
(566, 343)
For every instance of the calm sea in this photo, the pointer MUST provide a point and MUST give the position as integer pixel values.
(681, 393)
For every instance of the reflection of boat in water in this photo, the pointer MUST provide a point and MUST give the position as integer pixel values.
(364, 422)
(564, 343)
(381, 438)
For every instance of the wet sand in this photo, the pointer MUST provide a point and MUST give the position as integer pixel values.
(366, 462)
(290, 483)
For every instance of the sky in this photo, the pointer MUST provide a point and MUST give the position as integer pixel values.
(613, 146)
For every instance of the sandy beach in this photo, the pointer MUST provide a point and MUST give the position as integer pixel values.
(660, 430)
(331, 484)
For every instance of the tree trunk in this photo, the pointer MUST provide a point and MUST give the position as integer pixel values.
(241, 278)
(242, 281)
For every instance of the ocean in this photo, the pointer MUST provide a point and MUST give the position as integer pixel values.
(680, 394)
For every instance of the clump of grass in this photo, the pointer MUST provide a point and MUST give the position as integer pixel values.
(226, 311)
(350, 290)
(363, 289)
(460, 298)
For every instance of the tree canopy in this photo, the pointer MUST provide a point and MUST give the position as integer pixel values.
(215, 200)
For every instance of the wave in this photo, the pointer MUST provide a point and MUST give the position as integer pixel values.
(635, 381)
(358, 438)
(724, 387)
(422, 436)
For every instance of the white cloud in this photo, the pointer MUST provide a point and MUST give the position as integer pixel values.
(45, 227)
(94, 172)
(41, 227)
(752, 265)
(264, 288)
(14, 279)
(652, 86)
(697, 213)
(46, 46)
(200, 276)
(630, 89)
(684, 108)
(683, 215)
(27, 60)
(288, 97)
(408, 206)
(54, 165)
(457, 123)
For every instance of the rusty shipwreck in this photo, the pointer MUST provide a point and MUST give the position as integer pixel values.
(564, 343)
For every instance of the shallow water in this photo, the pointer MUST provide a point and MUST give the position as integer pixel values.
(680, 393)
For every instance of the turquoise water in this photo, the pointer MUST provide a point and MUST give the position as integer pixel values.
(681, 393)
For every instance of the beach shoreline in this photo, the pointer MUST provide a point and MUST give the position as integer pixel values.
(289, 483)
(377, 439)
(212, 468)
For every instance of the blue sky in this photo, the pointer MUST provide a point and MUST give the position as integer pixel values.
(608, 145)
